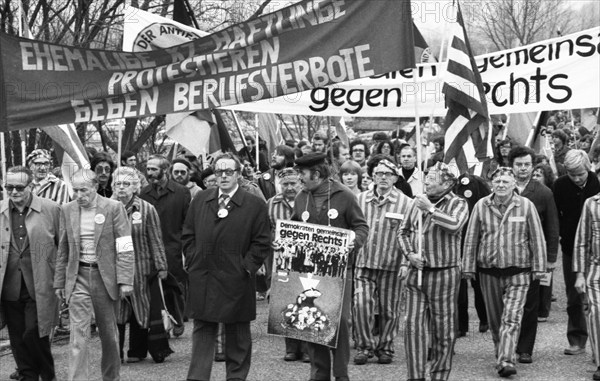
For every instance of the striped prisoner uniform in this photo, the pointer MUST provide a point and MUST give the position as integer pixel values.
(586, 260)
(431, 308)
(52, 188)
(504, 248)
(377, 267)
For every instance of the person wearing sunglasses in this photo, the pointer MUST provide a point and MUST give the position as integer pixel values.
(104, 166)
(44, 183)
(182, 173)
(226, 238)
(505, 246)
(29, 230)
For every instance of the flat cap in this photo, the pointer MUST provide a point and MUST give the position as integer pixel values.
(311, 159)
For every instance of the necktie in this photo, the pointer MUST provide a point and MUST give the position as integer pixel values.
(223, 200)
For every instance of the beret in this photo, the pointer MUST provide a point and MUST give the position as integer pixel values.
(311, 159)
(182, 161)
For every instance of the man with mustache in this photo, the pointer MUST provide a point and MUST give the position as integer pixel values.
(182, 173)
(171, 201)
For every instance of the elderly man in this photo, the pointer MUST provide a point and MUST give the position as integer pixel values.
(570, 193)
(45, 184)
(505, 245)
(431, 305)
(281, 207)
(521, 160)
(29, 230)
(223, 253)
(94, 269)
(182, 173)
(171, 201)
(327, 202)
(376, 281)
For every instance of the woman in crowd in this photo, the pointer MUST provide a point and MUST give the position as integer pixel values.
(149, 258)
(351, 176)
(385, 147)
(543, 173)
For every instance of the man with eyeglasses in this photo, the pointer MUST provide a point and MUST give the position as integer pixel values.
(94, 268)
(376, 282)
(171, 201)
(521, 160)
(226, 238)
(431, 306)
(29, 230)
(505, 245)
(45, 184)
(182, 172)
(104, 166)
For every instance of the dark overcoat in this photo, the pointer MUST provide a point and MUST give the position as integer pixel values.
(223, 255)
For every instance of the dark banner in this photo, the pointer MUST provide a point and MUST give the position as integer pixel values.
(306, 45)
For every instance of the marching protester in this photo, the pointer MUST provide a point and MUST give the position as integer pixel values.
(149, 259)
(410, 172)
(104, 166)
(376, 281)
(431, 305)
(268, 182)
(223, 253)
(94, 268)
(521, 160)
(129, 159)
(351, 176)
(324, 201)
(505, 246)
(171, 201)
(319, 142)
(181, 170)
(29, 230)
(281, 207)
(570, 193)
(45, 184)
(359, 151)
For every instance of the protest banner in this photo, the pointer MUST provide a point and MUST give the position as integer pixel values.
(559, 73)
(309, 44)
(308, 280)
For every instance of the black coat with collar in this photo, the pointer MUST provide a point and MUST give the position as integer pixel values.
(223, 255)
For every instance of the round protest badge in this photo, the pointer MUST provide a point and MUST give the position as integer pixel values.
(468, 194)
(305, 215)
(136, 216)
(465, 181)
(333, 214)
(267, 176)
(99, 218)
(222, 213)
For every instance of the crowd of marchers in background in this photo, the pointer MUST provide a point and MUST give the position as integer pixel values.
(196, 238)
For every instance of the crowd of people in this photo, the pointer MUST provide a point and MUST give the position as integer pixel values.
(207, 236)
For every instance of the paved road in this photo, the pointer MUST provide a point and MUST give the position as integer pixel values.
(473, 360)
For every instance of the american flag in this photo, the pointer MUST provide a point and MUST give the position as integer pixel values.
(467, 131)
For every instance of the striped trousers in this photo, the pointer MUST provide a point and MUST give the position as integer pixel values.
(593, 315)
(431, 311)
(385, 285)
(504, 301)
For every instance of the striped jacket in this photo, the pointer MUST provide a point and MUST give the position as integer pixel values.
(587, 239)
(442, 232)
(381, 251)
(279, 209)
(53, 189)
(513, 240)
(149, 256)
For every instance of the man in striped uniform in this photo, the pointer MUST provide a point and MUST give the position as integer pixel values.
(505, 244)
(586, 266)
(376, 281)
(281, 207)
(431, 305)
(45, 184)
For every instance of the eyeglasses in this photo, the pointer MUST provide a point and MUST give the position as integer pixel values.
(43, 164)
(18, 188)
(387, 175)
(180, 172)
(102, 170)
(125, 184)
(223, 172)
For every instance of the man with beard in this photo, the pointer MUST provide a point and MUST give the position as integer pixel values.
(281, 207)
(376, 281)
(182, 173)
(171, 201)
(327, 202)
(431, 305)
(45, 184)
(282, 157)
(104, 166)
